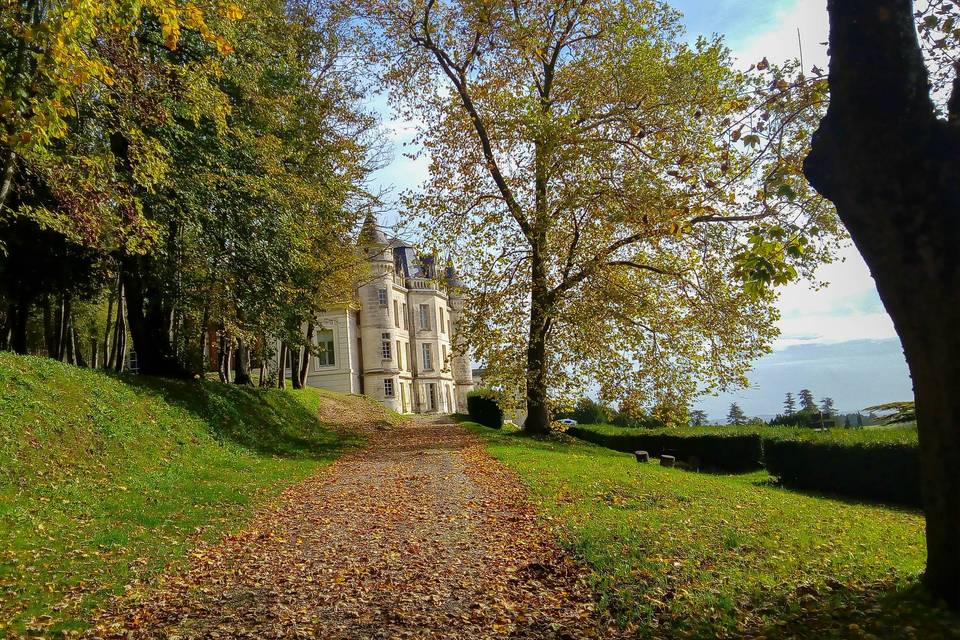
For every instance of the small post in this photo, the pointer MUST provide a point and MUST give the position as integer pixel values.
(667, 461)
(642, 456)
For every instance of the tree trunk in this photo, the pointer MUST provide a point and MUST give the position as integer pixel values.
(49, 340)
(281, 365)
(151, 317)
(19, 314)
(305, 359)
(106, 332)
(223, 356)
(295, 366)
(242, 364)
(538, 411)
(893, 171)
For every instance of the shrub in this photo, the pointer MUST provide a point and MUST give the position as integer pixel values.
(735, 451)
(483, 409)
(877, 470)
(589, 411)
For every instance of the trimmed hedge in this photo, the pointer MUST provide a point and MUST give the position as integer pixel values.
(484, 410)
(882, 471)
(725, 452)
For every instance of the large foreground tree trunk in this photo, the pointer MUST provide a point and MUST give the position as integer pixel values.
(893, 170)
(538, 410)
(295, 352)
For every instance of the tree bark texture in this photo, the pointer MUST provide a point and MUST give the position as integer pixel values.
(305, 359)
(241, 358)
(295, 352)
(892, 168)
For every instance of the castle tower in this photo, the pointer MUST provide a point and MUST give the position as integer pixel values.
(379, 294)
(460, 363)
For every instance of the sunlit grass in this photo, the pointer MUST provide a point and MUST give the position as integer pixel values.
(684, 554)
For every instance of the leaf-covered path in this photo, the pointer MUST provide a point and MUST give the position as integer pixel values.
(419, 535)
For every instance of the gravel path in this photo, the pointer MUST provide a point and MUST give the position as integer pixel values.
(418, 535)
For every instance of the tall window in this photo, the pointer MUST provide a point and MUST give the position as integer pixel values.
(399, 356)
(441, 323)
(396, 315)
(385, 346)
(388, 387)
(425, 317)
(427, 356)
(325, 351)
(382, 297)
(444, 347)
(404, 309)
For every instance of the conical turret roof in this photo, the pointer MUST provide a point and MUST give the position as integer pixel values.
(370, 233)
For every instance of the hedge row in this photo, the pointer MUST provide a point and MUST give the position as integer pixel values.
(484, 410)
(734, 452)
(886, 472)
(862, 466)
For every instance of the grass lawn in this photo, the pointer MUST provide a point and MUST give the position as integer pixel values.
(105, 480)
(683, 554)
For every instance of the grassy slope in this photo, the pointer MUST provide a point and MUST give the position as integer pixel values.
(105, 480)
(698, 555)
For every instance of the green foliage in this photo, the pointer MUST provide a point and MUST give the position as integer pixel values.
(719, 449)
(483, 408)
(589, 411)
(873, 464)
(896, 412)
(694, 555)
(870, 470)
(104, 480)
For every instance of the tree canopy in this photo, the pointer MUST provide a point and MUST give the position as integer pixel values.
(626, 198)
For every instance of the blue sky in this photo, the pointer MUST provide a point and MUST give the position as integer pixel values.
(836, 340)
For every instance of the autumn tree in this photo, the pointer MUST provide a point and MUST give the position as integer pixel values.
(625, 197)
(888, 155)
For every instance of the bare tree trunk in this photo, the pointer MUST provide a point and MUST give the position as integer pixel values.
(295, 352)
(48, 335)
(94, 352)
(305, 358)
(223, 356)
(281, 366)
(19, 313)
(120, 336)
(892, 168)
(106, 331)
(242, 363)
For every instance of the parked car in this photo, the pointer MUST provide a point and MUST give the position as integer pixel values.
(570, 422)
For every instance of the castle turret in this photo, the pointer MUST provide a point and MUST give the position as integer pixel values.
(460, 362)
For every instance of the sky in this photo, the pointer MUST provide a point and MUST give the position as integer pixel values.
(836, 340)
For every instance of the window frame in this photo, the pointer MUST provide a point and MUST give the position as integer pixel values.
(386, 346)
(329, 352)
(389, 388)
(427, 353)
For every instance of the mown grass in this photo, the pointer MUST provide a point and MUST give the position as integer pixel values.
(684, 554)
(105, 480)
(868, 435)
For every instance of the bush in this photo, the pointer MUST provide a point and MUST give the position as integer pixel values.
(483, 409)
(588, 411)
(636, 421)
(735, 451)
(883, 471)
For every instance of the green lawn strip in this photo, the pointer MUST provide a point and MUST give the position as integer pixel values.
(105, 480)
(682, 554)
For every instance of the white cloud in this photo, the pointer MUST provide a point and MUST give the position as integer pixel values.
(779, 41)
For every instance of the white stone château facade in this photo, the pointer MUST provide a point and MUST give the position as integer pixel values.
(399, 346)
